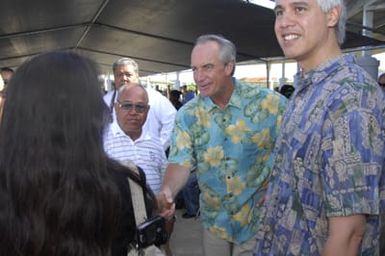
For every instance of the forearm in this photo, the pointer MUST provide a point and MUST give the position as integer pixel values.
(345, 235)
(175, 178)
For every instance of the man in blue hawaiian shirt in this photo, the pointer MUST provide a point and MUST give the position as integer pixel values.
(327, 186)
(227, 134)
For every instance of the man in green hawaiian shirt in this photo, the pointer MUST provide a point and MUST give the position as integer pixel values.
(227, 134)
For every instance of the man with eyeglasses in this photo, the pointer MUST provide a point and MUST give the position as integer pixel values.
(125, 138)
(161, 116)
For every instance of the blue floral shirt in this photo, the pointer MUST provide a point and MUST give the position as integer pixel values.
(230, 149)
(329, 161)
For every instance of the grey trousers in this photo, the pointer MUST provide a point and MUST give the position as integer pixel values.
(214, 246)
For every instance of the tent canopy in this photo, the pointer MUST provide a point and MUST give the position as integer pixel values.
(159, 34)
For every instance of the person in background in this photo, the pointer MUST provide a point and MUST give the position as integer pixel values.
(57, 185)
(287, 90)
(161, 116)
(5, 76)
(125, 138)
(175, 96)
(6, 73)
(2, 96)
(226, 134)
(328, 182)
(187, 94)
(381, 81)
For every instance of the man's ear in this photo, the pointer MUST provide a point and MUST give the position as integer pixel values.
(229, 68)
(333, 16)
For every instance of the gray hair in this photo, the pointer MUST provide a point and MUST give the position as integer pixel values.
(227, 50)
(126, 86)
(125, 61)
(327, 5)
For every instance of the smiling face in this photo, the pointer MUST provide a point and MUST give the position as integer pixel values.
(132, 109)
(306, 33)
(210, 74)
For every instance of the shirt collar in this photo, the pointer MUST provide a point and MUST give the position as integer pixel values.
(235, 99)
(117, 131)
(324, 70)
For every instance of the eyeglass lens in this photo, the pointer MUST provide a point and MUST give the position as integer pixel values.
(139, 108)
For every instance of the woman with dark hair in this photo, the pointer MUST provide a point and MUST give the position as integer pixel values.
(59, 192)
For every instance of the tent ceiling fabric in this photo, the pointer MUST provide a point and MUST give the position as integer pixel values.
(159, 34)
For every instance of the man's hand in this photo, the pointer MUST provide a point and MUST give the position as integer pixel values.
(166, 203)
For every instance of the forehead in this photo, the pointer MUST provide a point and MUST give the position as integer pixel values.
(124, 68)
(293, 2)
(205, 53)
(133, 93)
(6, 73)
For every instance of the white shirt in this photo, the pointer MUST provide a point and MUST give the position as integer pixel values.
(160, 118)
(146, 152)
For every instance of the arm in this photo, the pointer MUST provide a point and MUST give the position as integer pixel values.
(175, 178)
(167, 122)
(166, 116)
(345, 235)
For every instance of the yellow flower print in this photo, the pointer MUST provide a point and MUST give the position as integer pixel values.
(243, 216)
(236, 131)
(187, 164)
(260, 138)
(279, 120)
(211, 201)
(219, 232)
(182, 140)
(203, 117)
(213, 156)
(270, 103)
(235, 185)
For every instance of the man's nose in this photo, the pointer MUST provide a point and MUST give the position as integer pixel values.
(199, 75)
(126, 78)
(285, 20)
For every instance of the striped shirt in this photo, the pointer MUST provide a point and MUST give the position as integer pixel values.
(146, 152)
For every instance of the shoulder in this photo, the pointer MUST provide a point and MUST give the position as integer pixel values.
(255, 93)
(121, 174)
(149, 140)
(108, 96)
(355, 88)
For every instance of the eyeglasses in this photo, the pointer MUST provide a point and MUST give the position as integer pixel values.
(127, 106)
(381, 84)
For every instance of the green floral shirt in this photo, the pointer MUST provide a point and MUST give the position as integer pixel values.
(231, 151)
